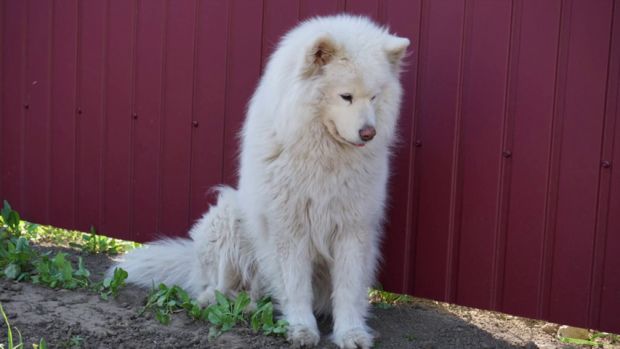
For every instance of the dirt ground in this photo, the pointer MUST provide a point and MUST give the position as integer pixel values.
(61, 315)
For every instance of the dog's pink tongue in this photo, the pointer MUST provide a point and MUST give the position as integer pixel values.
(360, 145)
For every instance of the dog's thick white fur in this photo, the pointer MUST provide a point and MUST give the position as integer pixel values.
(304, 224)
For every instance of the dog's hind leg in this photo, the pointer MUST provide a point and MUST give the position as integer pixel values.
(226, 281)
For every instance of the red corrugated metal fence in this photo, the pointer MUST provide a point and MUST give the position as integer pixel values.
(121, 114)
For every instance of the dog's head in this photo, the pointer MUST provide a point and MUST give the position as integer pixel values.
(358, 85)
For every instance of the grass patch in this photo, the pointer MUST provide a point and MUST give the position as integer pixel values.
(386, 300)
(90, 242)
(20, 262)
(596, 339)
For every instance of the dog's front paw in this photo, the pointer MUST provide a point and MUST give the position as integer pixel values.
(301, 335)
(353, 338)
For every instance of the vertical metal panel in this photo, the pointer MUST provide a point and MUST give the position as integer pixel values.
(607, 302)
(122, 114)
(90, 111)
(177, 117)
(243, 71)
(63, 112)
(437, 107)
(278, 17)
(605, 293)
(149, 74)
(14, 104)
(209, 102)
(369, 8)
(37, 116)
(579, 167)
(120, 21)
(311, 8)
(484, 79)
(532, 111)
(551, 201)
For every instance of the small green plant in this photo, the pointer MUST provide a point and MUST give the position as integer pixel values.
(110, 286)
(226, 313)
(165, 300)
(15, 251)
(58, 272)
(262, 319)
(16, 258)
(10, 220)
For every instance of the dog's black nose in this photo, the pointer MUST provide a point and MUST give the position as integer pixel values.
(367, 133)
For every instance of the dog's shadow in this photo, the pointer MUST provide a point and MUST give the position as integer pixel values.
(422, 325)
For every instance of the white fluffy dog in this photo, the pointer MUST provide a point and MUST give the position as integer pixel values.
(304, 224)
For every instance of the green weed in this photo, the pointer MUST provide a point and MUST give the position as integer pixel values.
(58, 272)
(165, 300)
(110, 286)
(10, 220)
(16, 258)
(262, 319)
(226, 313)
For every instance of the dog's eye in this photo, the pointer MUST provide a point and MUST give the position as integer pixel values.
(347, 97)
(373, 98)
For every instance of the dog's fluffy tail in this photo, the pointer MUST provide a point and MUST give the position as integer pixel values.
(184, 262)
(168, 261)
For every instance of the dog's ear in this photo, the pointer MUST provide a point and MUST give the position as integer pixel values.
(395, 48)
(322, 51)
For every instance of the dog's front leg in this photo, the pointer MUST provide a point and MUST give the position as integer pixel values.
(295, 291)
(352, 272)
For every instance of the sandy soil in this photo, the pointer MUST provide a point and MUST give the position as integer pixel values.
(60, 315)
